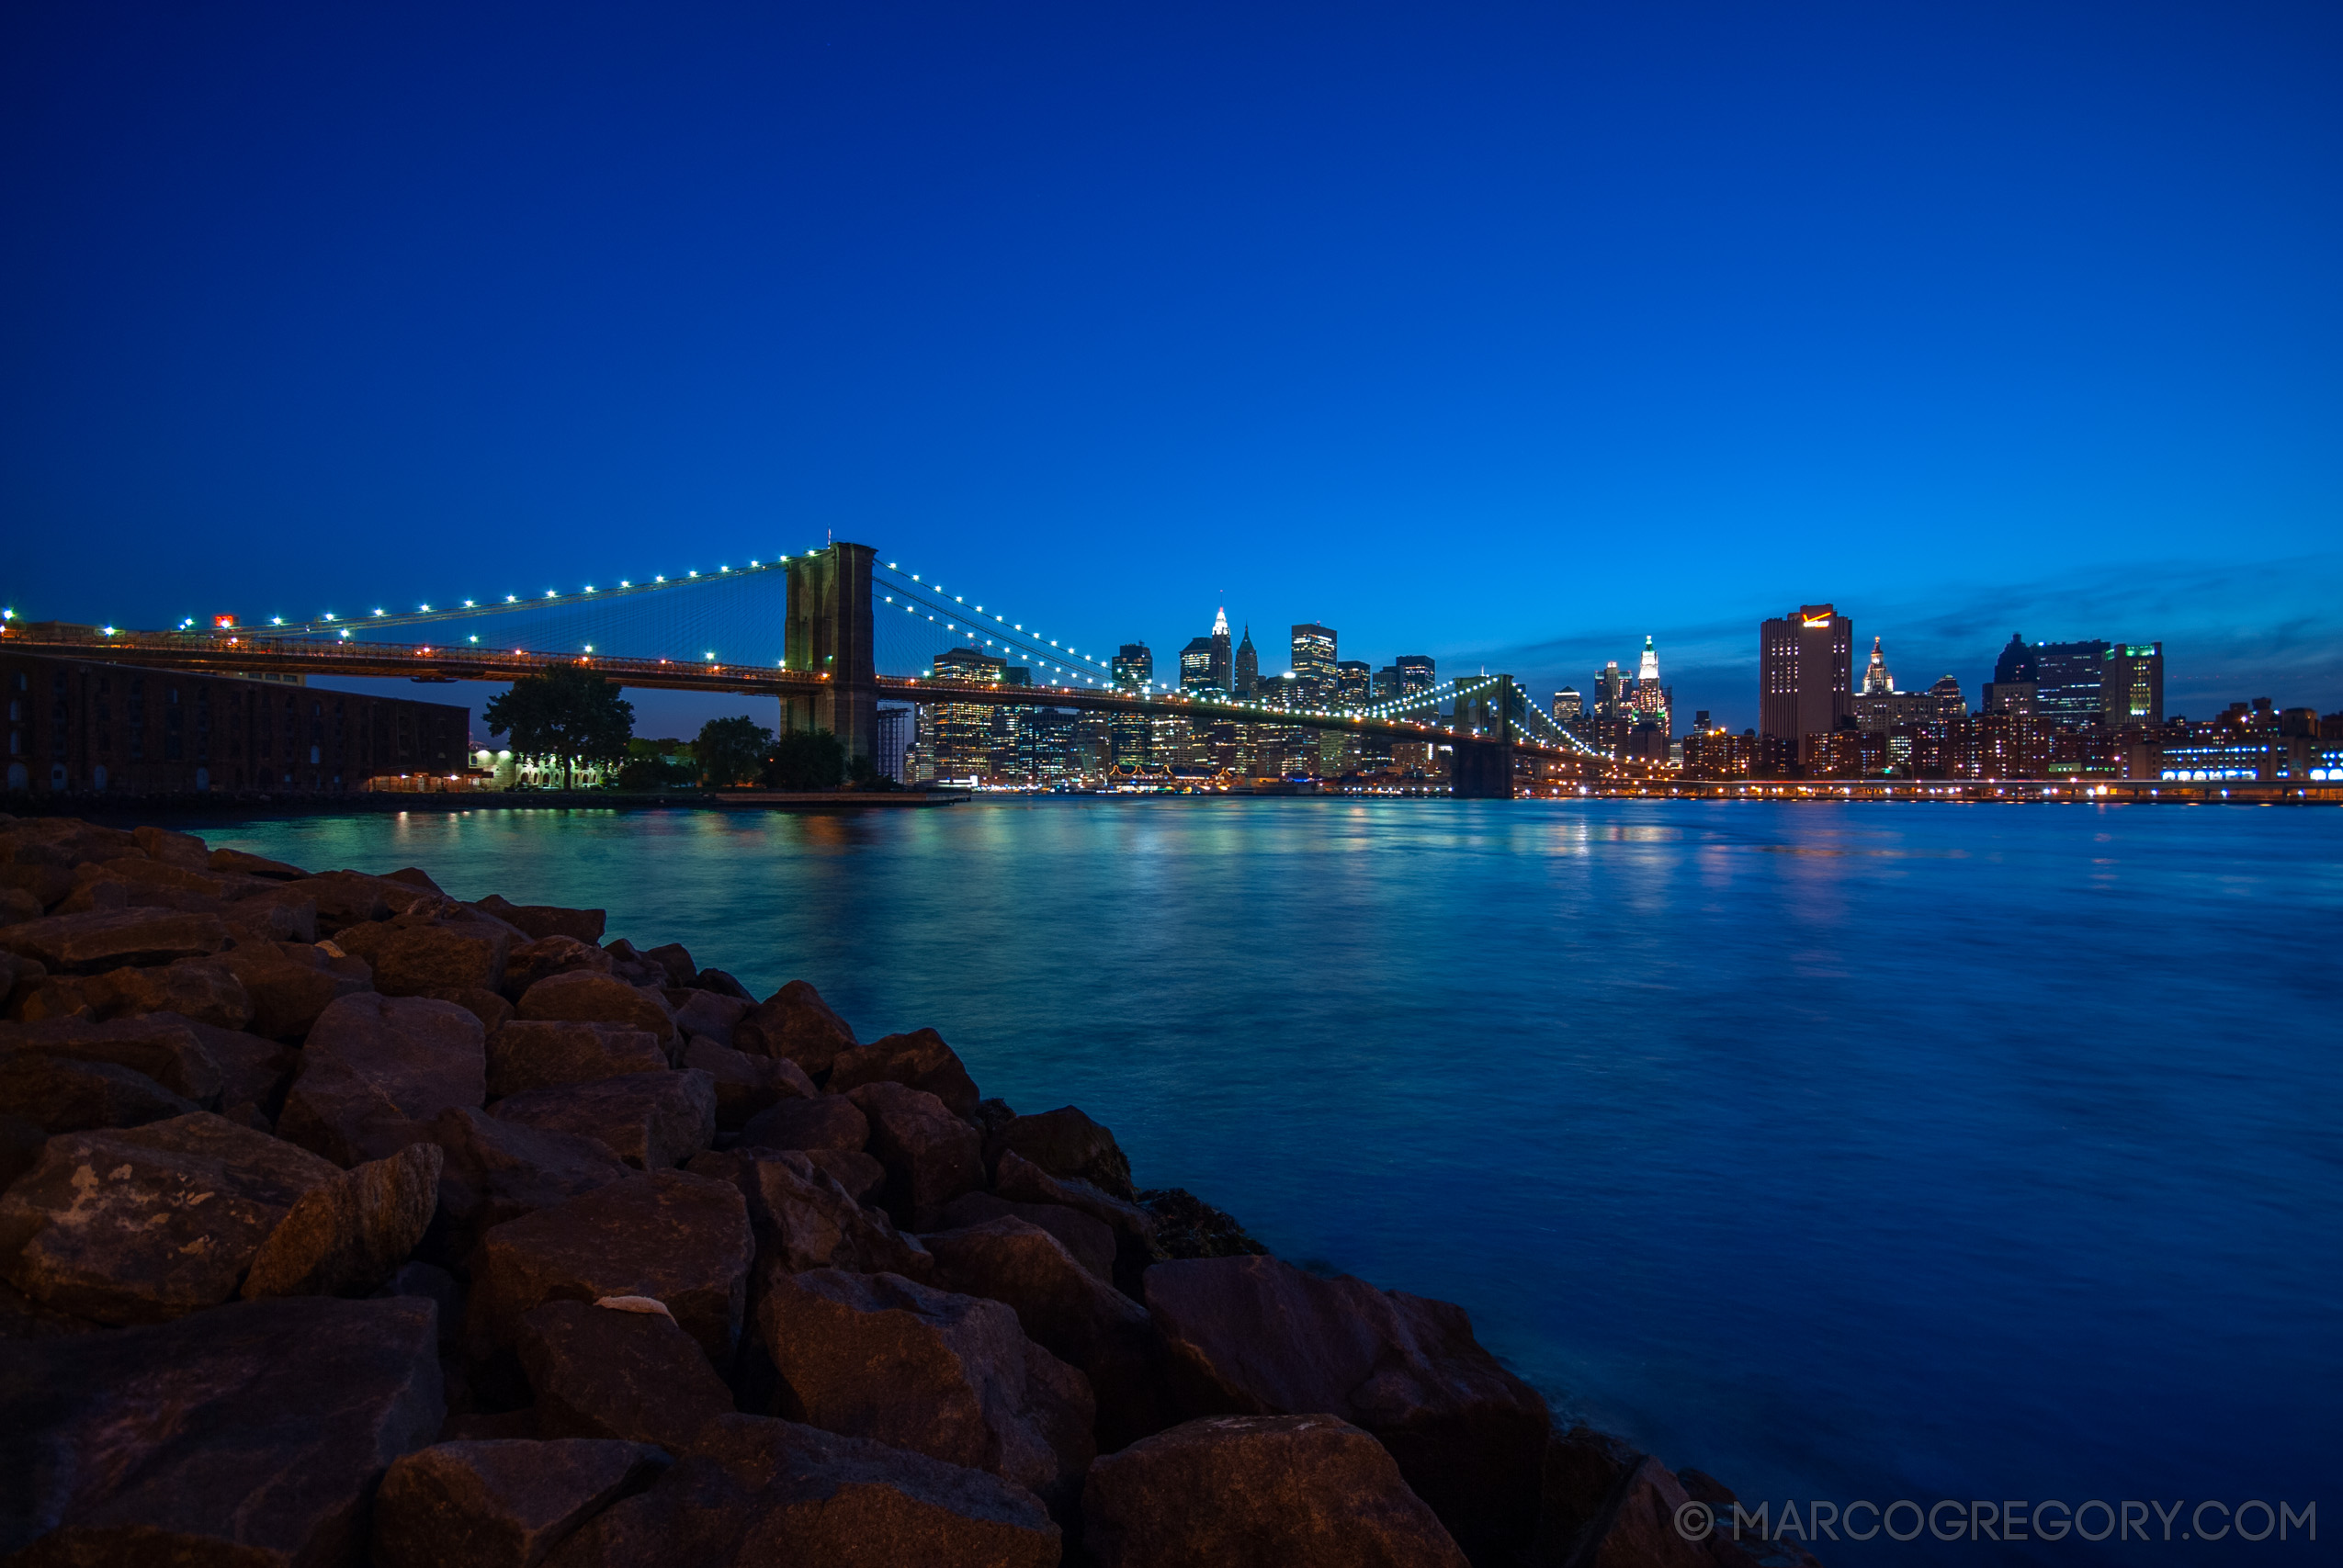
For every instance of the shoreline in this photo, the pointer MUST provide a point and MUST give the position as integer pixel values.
(570, 1193)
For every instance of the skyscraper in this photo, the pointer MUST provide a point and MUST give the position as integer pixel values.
(2069, 678)
(1223, 670)
(2012, 688)
(1416, 673)
(1650, 701)
(1133, 666)
(1806, 673)
(1247, 676)
(1568, 704)
(2132, 684)
(1197, 662)
(1878, 681)
(1353, 682)
(1314, 664)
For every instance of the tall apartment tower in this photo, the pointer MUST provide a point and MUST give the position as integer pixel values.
(1315, 665)
(1806, 673)
(2131, 687)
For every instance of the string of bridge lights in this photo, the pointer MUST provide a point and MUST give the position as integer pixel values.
(1031, 640)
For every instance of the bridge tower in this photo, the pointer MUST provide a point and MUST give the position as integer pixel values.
(1482, 768)
(828, 633)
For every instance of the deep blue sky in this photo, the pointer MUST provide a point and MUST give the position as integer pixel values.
(1506, 333)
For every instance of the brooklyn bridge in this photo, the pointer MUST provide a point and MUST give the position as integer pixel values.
(830, 634)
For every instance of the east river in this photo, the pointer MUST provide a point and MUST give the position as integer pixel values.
(1843, 1151)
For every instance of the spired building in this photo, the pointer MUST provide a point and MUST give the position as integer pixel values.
(1247, 676)
(1224, 673)
(1806, 673)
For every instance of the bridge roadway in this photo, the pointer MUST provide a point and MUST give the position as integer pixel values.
(241, 653)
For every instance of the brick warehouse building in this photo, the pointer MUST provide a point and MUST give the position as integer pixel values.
(82, 726)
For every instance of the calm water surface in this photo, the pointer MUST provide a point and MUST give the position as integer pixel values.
(1843, 1151)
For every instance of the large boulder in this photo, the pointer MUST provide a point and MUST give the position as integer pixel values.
(795, 1022)
(1068, 1311)
(1259, 1491)
(1090, 1241)
(820, 1122)
(918, 1060)
(205, 989)
(347, 1235)
(165, 1048)
(500, 1504)
(373, 1066)
(583, 995)
(497, 1171)
(240, 863)
(1607, 1504)
(675, 1237)
(1068, 1145)
(932, 1156)
(542, 920)
(1256, 1336)
(709, 1013)
(1020, 1181)
(429, 960)
(61, 1094)
(949, 1376)
(274, 914)
(653, 1120)
(290, 983)
(146, 1224)
(618, 1372)
(755, 1491)
(745, 1084)
(548, 956)
(253, 1434)
(108, 938)
(162, 844)
(541, 1054)
(804, 1219)
(862, 1178)
(253, 1073)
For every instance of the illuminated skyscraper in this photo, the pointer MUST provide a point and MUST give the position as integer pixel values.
(1196, 660)
(1878, 681)
(1248, 675)
(1354, 682)
(1223, 669)
(1416, 673)
(1134, 666)
(2132, 686)
(1314, 664)
(1806, 673)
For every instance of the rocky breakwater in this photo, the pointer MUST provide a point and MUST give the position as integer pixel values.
(346, 1222)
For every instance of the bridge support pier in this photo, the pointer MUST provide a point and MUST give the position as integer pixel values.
(1481, 770)
(829, 634)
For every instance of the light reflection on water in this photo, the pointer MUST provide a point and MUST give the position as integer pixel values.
(1841, 1150)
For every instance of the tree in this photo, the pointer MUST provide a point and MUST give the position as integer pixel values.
(658, 764)
(806, 759)
(569, 713)
(732, 751)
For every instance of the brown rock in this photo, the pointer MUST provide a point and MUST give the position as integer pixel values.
(654, 1120)
(59, 1094)
(500, 1171)
(542, 920)
(706, 1012)
(675, 1237)
(1255, 1336)
(252, 1071)
(252, 1434)
(723, 985)
(46, 883)
(427, 960)
(415, 877)
(375, 1065)
(204, 989)
(147, 1223)
(238, 863)
(862, 1178)
(290, 983)
(795, 1022)
(918, 1060)
(804, 1219)
(343, 899)
(1187, 1227)
(1019, 1180)
(950, 1376)
(165, 1048)
(21, 1144)
(1091, 1242)
(818, 1121)
(274, 915)
(634, 968)
(348, 1233)
(1259, 1491)
(543, 1053)
(676, 961)
(587, 998)
(159, 876)
(754, 1484)
(493, 1011)
(1070, 1146)
(1068, 1311)
(599, 1371)
(17, 906)
(550, 956)
(107, 939)
(500, 1505)
(932, 1156)
(173, 849)
(745, 1084)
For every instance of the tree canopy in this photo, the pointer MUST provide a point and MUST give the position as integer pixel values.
(732, 751)
(806, 759)
(569, 713)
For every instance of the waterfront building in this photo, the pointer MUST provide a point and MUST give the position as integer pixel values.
(2070, 681)
(1133, 669)
(2013, 688)
(1197, 662)
(956, 739)
(1247, 678)
(2132, 684)
(1353, 683)
(1806, 672)
(1315, 665)
(895, 732)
